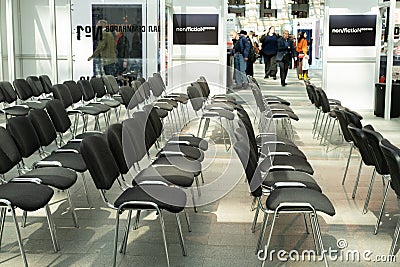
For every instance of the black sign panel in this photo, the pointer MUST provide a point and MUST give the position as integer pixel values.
(195, 29)
(352, 30)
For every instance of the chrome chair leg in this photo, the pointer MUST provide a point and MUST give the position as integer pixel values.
(321, 244)
(163, 235)
(306, 224)
(116, 238)
(262, 233)
(126, 235)
(382, 209)
(314, 233)
(52, 229)
(2, 220)
(72, 209)
(348, 162)
(357, 180)
(253, 227)
(181, 240)
(137, 219)
(270, 235)
(395, 238)
(24, 216)
(371, 185)
(187, 220)
(21, 246)
(86, 190)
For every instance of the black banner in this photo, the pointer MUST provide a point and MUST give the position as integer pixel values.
(195, 29)
(352, 30)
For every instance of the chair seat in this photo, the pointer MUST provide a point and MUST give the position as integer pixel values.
(276, 98)
(89, 110)
(168, 174)
(169, 101)
(300, 195)
(284, 114)
(26, 196)
(110, 102)
(219, 113)
(167, 198)
(164, 105)
(280, 106)
(291, 176)
(193, 140)
(223, 105)
(16, 111)
(188, 151)
(180, 99)
(118, 98)
(71, 160)
(298, 163)
(267, 138)
(101, 107)
(181, 163)
(86, 134)
(35, 104)
(58, 177)
(283, 148)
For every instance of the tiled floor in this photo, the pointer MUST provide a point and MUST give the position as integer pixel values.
(221, 234)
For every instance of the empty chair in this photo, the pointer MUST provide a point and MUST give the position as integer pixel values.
(36, 86)
(25, 93)
(391, 154)
(8, 96)
(100, 95)
(112, 87)
(156, 197)
(46, 83)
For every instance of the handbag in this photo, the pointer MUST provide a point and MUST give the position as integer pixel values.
(279, 56)
(305, 65)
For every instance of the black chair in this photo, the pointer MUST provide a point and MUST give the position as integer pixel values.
(8, 96)
(155, 197)
(57, 177)
(37, 87)
(26, 94)
(100, 95)
(283, 200)
(28, 142)
(360, 141)
(381, 166)
(391, 154)
(112, 87)
(268, 98)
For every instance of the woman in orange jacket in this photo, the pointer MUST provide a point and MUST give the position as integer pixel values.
(302, 51)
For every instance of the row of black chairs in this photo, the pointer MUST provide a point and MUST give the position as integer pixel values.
(276, 168)
(374, 149)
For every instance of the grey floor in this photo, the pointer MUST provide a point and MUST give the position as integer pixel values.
(221, 234)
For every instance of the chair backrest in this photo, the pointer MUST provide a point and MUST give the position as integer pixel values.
(158, 76)
(258, 97)
(134, 138)
(155, 86)
(46, 83)
(86, 89)
(8, 92)
(24, 135)
(343, 125)
(36, 85)
(111, 84)
(23, 89)
(145, 91)
(61, 92)
(74, 90)
(252, 171)
(100, 161)
(126, 93)
(43, 126)
(58, 115)
(323, 101)
(361, 143)
(114, 139)
(204, 86)
(154, 119)
(98, 86)
(196, 97)
(310, 92)
(392, 157)
(141, 79)
(374, 138)
(141, 91)
(9, 153)
(352, 118)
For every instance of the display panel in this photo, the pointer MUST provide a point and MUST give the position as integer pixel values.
(195, 29)
(352, 30)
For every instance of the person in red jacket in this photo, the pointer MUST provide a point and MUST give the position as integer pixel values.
(302, 54)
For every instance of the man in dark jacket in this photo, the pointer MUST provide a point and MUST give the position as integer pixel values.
(286, 51)
(240, 52)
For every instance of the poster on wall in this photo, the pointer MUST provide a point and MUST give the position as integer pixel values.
(352, 30)
(195, 29)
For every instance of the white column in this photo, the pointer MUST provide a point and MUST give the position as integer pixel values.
(53, 41)
(10, 41)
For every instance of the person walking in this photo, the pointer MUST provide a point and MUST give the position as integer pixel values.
(105, 50)
(240, 53)
(302, 52)
(122, 45)
(286, 51)
(269, 48)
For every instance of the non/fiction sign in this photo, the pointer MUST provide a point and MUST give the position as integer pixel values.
(195, 29)
(352, 30)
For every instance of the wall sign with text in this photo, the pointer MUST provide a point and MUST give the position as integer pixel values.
(195, 29)
(352, 30)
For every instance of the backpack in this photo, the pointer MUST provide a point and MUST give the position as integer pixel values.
(252, 52)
